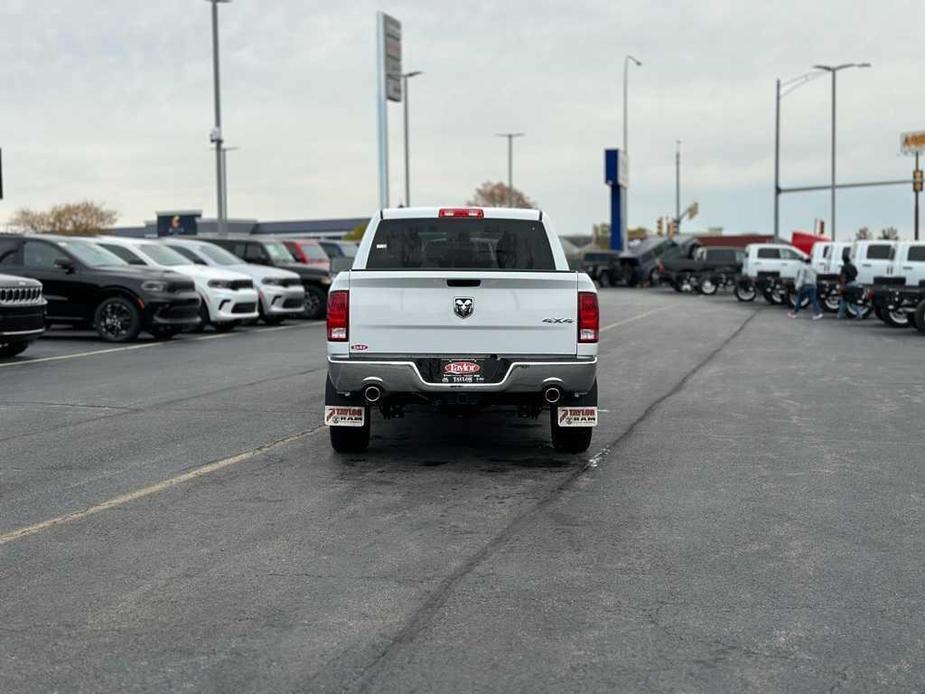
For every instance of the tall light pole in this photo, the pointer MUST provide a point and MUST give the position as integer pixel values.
(626, 137)
(225, 151)
(510, 164)
(834, 70)
(404, 78)
(782, 90)
(217, 136)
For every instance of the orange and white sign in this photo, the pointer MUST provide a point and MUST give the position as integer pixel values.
(577, 416)
(912, 143)
(337, 416)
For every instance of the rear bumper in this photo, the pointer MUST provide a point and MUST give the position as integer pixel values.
(403, 376)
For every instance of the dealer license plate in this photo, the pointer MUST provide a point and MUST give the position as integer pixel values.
(462, 371)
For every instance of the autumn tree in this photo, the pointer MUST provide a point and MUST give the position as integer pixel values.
(356, 234)
(69, 219)
(889, 234)
(497, 195)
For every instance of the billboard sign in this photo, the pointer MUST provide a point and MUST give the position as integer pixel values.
(391, 30)
(912, 143)
(178, 223)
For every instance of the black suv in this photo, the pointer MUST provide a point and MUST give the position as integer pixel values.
(22, 314)
(274, 253)
(86, 285)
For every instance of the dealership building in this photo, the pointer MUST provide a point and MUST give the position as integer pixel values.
(191, 223)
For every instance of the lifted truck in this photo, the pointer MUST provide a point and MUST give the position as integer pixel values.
(459, 310)
(897, 294)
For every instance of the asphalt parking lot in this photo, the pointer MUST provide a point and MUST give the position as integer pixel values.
(749, 517)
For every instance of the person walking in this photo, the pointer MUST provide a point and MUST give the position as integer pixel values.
(847, 278)
(806, 281)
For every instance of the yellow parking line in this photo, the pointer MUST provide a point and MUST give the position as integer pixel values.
(635, 318)
(117, 501)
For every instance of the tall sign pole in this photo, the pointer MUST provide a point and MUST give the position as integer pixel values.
(388, 88)
(217, 136)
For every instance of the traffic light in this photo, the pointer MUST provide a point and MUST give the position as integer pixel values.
(659, 228)
(673, 228)
(917, 181)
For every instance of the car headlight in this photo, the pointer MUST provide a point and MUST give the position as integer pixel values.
(154, 286)
(220, 284)
(272, 281)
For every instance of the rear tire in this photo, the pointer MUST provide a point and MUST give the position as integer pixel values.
(745, 294)
(315, 302)
(895, 319)
(347, 439)
(572, 439)
(708, 287)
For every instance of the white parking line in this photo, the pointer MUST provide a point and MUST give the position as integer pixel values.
(635, 318)
(146, 345)
(123, 499)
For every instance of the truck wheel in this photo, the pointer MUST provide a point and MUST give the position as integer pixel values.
(895, 319)
(117, 319)
(346, 439)
(830, 302)
(745, 293)
(572, 439)
(315, 302)
(708, 286)
(918, 318)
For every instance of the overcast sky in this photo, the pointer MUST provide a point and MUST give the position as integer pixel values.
(111, 100)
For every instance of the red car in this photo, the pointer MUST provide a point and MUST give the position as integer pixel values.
(309, 252)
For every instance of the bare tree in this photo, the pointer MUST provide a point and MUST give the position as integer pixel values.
(496, 195)
(863, 234)
(70, 219)
(889, 234)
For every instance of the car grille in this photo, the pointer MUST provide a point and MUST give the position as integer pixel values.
(20, 295)
(21, 318)
(242, 284)
(177, 286)
(293, 303)
(244, 308)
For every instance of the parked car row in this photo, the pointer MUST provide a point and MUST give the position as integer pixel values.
(121, 287)
(890, 282)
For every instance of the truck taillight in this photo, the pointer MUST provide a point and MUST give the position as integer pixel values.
(338, 316)
(589, 317)
(467, 212)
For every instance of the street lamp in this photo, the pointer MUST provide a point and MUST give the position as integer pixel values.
(783, 89)
(510, 164)
(834, 70)
(404, 78)
(216, 136)
(626, 145)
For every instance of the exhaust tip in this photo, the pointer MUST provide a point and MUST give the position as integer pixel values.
(372, 394)
(552, 395)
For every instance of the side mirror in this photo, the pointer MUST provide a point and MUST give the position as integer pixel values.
(65, 264)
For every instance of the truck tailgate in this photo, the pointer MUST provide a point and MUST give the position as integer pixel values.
(463, 313)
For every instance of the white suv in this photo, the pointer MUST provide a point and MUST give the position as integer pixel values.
(227, 297)
(281, 292)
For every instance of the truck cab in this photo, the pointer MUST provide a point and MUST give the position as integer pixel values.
(896, 295)
(872, 259)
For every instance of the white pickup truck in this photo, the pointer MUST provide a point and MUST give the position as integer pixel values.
(769, 268)
(458, 310)
(899, 291)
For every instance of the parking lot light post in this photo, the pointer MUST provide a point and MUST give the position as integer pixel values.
(510, 165)
(406, 98)
(217, 137)
(626, 130)
(834, 70)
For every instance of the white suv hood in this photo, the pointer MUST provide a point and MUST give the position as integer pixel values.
(204, 272)
(262, 272)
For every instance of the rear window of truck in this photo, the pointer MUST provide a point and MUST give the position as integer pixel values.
(460, 244)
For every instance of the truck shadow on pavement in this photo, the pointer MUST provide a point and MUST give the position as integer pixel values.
(492, 443)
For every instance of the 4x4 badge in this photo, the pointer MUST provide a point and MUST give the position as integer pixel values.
(463, 306)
